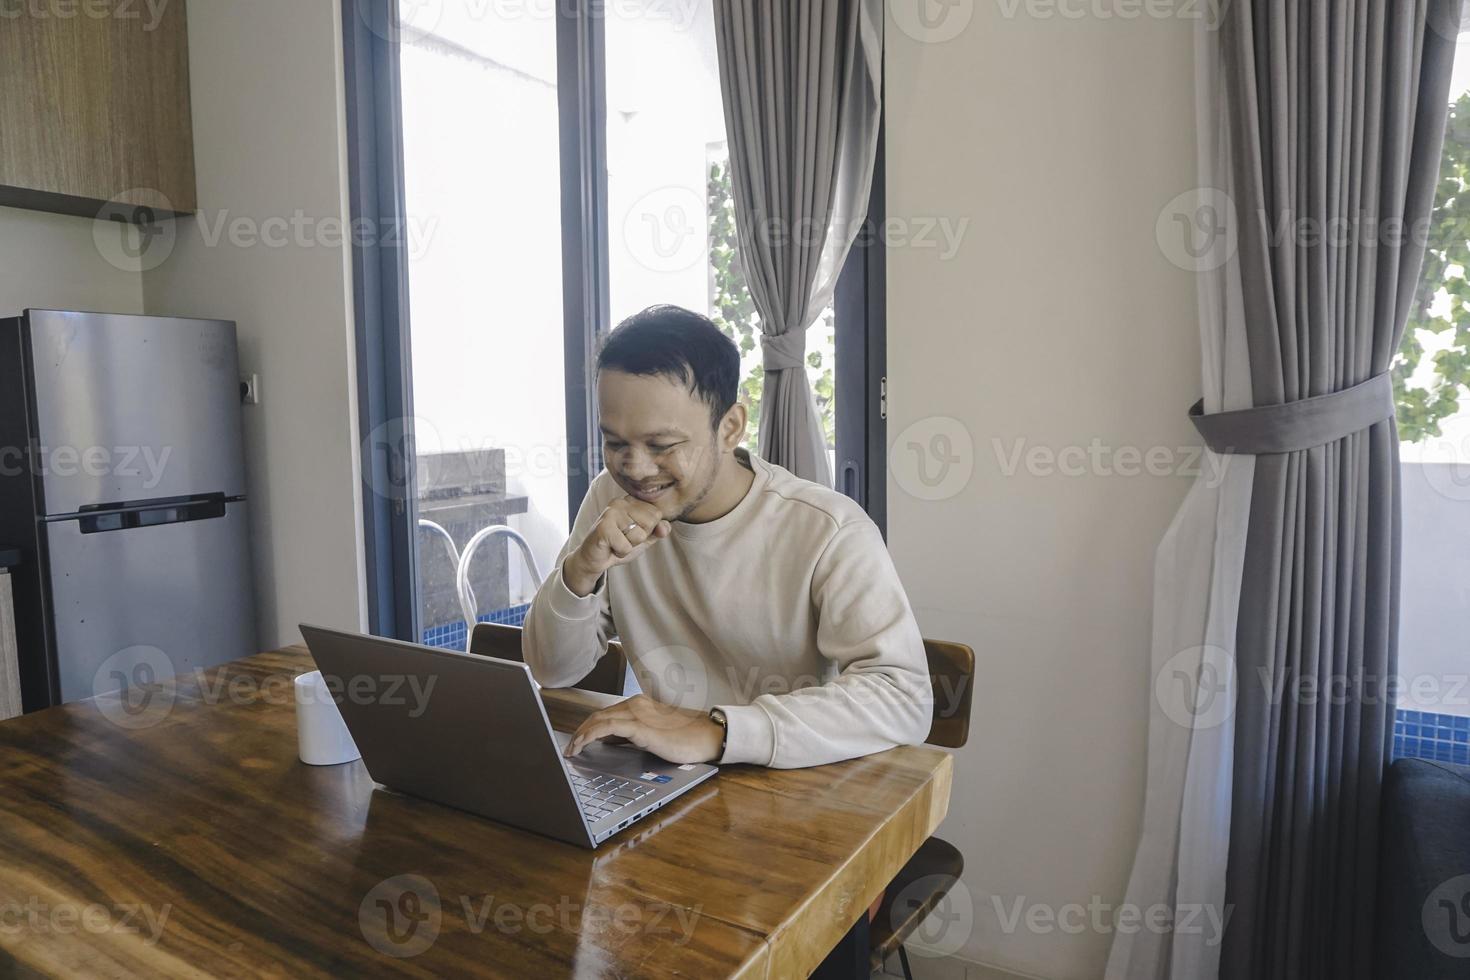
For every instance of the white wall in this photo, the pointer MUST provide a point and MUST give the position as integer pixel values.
(52, 261)
(1435, 615)
(267, 86)
(268, 131)
(1057, 322)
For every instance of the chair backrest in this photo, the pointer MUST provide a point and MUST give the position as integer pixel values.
(504, 642)
(952, 672)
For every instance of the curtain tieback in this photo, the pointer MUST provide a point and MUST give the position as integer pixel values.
(1296, 425)
(783, 351)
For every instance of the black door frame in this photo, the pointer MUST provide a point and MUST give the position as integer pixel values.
(581, 60)
(861, 341)
(380, 304)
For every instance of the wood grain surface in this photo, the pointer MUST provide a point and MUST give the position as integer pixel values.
(94, 105)
(175, 833)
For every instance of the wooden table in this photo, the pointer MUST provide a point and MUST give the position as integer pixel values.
(186, 838)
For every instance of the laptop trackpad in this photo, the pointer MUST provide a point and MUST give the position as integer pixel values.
(620, 759)
(600, 751)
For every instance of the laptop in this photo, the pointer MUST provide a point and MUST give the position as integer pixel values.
(470, 732)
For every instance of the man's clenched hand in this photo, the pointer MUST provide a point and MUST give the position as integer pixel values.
(624, 531)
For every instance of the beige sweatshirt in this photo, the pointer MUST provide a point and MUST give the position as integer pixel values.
(786, 613)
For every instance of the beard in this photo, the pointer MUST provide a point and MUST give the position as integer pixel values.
(705, 480)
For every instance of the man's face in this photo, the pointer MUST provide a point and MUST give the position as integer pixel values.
(657, 440)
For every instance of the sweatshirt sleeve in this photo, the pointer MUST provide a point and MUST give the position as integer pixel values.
(566, 634)
(882, 695)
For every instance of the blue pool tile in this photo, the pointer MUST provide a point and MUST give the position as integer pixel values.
(1431, 735)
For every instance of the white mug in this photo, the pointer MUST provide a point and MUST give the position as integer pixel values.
(322, 738)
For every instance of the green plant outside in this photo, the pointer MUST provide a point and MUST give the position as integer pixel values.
(1447, 271)
(734, 312)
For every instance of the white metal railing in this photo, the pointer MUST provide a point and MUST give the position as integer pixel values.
(468, 603)
(462, 573)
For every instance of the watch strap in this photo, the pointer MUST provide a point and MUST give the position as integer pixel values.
(718, 717)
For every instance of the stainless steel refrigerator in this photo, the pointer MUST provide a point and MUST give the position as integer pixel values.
(122, 481)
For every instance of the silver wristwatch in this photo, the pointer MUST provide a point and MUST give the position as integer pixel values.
(718, 717)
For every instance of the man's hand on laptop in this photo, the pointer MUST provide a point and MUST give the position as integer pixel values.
(677, 735)
(623, 532)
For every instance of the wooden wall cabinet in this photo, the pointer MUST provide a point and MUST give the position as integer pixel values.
(94, 107)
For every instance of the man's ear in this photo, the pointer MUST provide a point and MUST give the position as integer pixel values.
(732, 428)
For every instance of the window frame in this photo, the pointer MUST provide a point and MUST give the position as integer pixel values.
(380, 307)
(581, 69)
(861, 376)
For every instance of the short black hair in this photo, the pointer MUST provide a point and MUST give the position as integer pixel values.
(680, 344)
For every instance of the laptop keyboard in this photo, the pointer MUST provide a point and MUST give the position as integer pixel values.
(601, 796)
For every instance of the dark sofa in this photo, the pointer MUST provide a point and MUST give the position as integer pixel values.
(1424, 873)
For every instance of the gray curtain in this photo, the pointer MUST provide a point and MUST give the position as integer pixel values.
(1337, 120)
(800, 87)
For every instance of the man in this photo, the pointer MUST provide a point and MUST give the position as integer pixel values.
(761, 613)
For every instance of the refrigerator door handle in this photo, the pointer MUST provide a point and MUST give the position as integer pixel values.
(100, 518)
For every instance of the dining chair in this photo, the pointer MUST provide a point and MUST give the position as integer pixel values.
(504, 642)
(935, 867)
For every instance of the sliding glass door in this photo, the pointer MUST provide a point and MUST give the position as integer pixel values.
(481, 173)
(553, 166)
